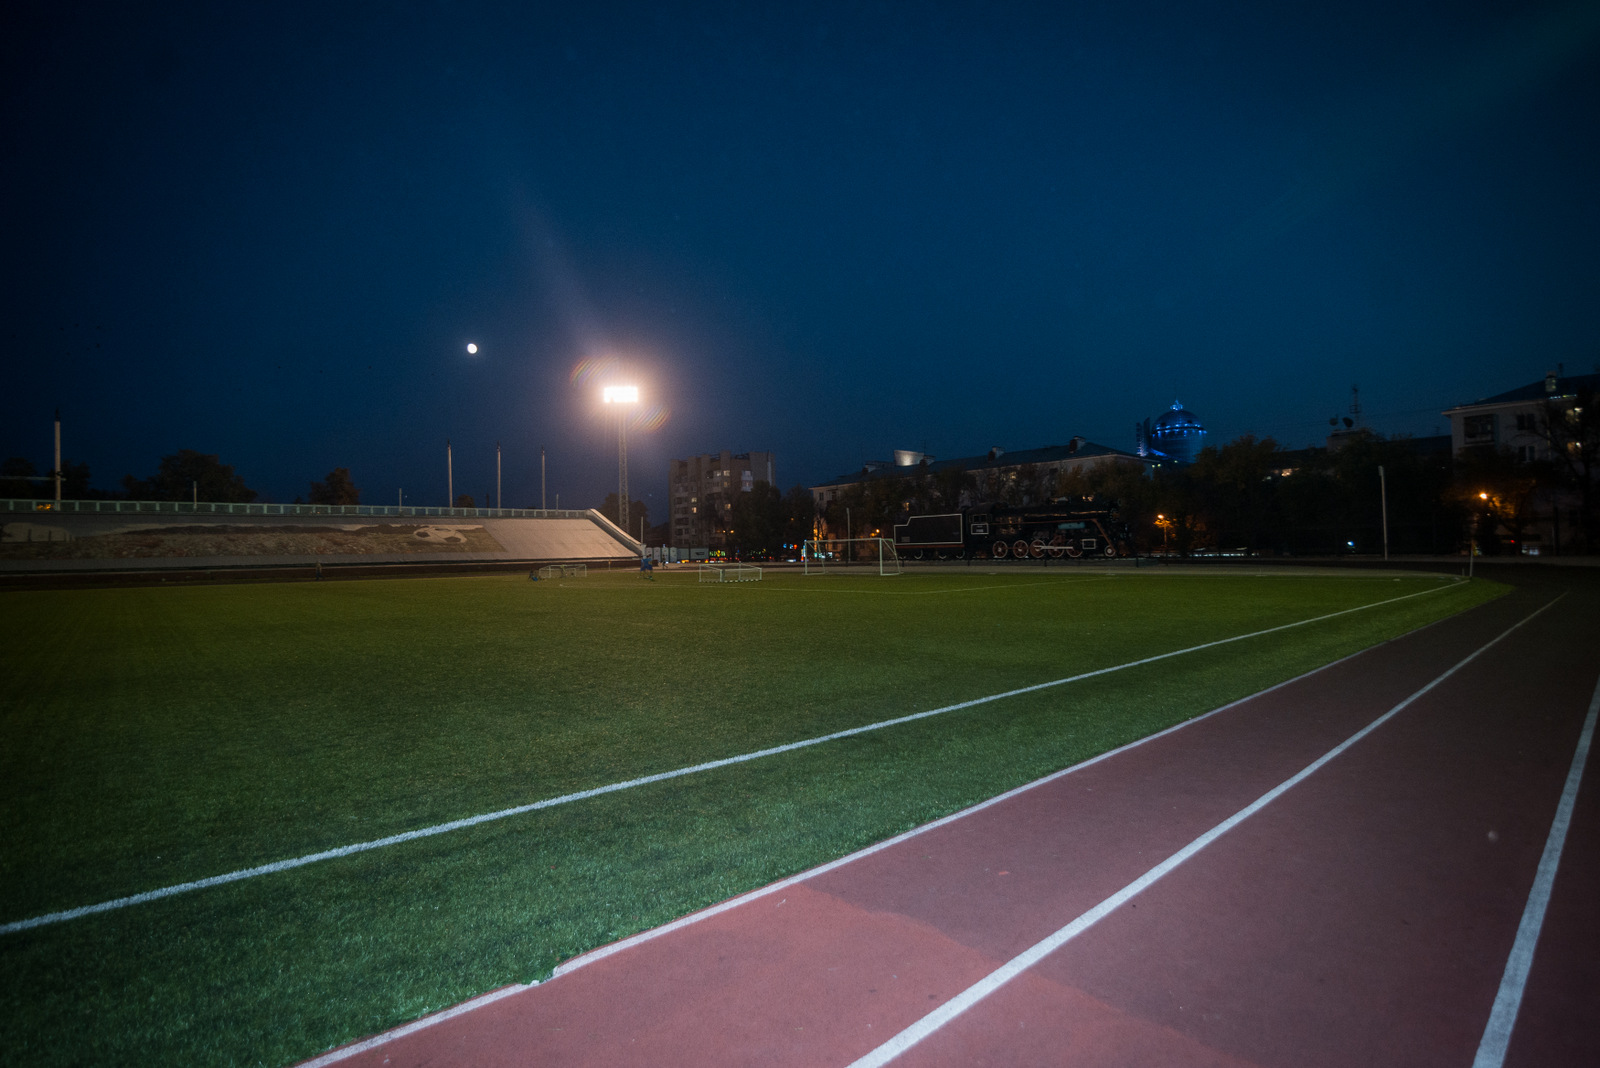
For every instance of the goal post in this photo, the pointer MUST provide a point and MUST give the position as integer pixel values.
(721, 572)
(823, 555)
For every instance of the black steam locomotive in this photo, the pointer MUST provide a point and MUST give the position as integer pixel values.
(1068, 526)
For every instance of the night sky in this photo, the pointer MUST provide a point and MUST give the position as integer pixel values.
(269, 231)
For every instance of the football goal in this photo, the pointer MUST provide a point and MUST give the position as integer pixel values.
(729, 573)
(839, 554)
(550, 571)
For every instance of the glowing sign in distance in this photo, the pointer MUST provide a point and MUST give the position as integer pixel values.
(621, 394)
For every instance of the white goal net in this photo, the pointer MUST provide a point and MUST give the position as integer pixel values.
(869, 555)
(729, 573)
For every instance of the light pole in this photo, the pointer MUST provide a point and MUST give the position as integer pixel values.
(622, 395)
(1383, 496)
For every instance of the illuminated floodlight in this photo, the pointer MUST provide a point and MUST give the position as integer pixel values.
(621, 394)
(472, 348)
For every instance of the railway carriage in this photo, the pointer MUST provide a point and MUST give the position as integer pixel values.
(1066, 527)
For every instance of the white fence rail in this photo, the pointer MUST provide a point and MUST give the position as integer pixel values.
(47, 507)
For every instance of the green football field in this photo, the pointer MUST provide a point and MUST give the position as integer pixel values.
(155, 736)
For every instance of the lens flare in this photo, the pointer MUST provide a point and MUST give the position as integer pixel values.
(651, 418)
(591, 368)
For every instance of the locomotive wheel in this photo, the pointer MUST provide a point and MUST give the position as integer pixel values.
(1074, 552)
(1000, 550)
(1020, 548)
(917, 555)
(1037, 549)
(1057, 551)
(1111, 550)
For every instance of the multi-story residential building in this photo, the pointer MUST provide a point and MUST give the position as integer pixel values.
(1535, 518)
(1038, 467)
(702, 490)
(1512, 418)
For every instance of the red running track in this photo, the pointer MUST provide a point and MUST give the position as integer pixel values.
(1364, 916)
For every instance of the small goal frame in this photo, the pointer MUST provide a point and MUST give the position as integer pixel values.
(550, 571)
(729, 573)
(821, 556)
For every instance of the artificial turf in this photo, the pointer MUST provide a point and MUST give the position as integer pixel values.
(154, 736)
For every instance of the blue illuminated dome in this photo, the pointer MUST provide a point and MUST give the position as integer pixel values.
(1177, 435)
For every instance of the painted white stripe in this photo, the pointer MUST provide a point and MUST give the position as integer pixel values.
(334, 1056)
(1497, 1032)
(850, 858)
(811, 873)
(1008, 971)
(581, 795)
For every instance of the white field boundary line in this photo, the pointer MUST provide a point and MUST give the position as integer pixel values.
(743, 899)
(876, 847)
(414, 1026)
(644, 780)
(1503, 1016)
(810, 873)
(1014, 967)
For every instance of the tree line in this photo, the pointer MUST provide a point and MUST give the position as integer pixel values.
(1249, 495)
(184, 475)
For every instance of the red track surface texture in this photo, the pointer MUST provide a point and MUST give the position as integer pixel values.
(1362, 917)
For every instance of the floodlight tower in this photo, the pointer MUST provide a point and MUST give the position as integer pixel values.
(621, 396)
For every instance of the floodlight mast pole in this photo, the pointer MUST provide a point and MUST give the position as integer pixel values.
(541, 478)
(1383, 496)
(499, 498)
(449, 477)
(622, 396)
(622, 466)
(57, 471)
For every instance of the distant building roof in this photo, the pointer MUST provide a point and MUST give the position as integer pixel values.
(1564, 386)
(1077, 449)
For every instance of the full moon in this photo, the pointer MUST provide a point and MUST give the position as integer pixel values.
(471, 347)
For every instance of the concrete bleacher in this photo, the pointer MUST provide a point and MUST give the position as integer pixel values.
(105, 535)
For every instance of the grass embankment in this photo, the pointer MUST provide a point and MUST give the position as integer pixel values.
(153, 736)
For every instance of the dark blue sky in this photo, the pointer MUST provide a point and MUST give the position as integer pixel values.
(270, 230)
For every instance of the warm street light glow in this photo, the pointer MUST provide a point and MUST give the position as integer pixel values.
(1483, 496)
(621, 394)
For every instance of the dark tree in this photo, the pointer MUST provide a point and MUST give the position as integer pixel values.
(637, 513)
(758, 520)
(1573, 434)
(799, 515)
(1498, 491)
(74, 481)
(189, 473)
(464, 500)
(16, 478)
(1234, 484)
(335, 489)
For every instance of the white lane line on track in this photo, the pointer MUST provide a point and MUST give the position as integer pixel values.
(1497, 1032)
(811, 873)
(1014, 967)
(582, 795)
(333, 1056)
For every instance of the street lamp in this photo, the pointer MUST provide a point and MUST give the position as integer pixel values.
(620, 395)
